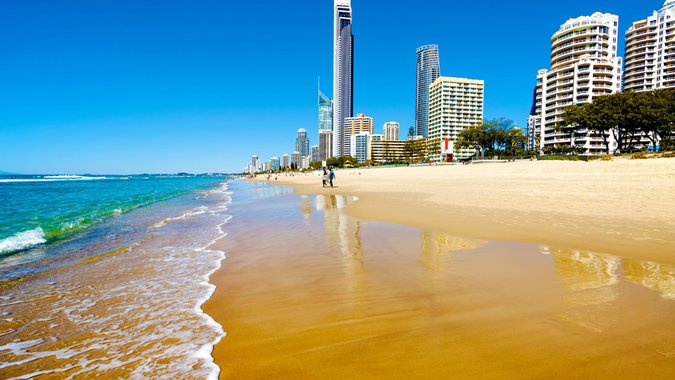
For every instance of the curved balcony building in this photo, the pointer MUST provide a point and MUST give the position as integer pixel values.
(584, 65)
(650, 51)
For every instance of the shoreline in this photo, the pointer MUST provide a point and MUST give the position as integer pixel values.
(324, 294)
(610, 207)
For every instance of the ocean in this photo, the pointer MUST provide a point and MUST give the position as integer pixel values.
(104, 277)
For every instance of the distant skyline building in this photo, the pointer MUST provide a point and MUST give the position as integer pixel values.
(325, 145)
(449, 115)
(584, 65)
(314, 153)
(302, 143)
(649, 63)
(390, 130)
(343, 74)
(284, 161)
(428, 70)
(325, 113)
(296, 158)
(255, 164)
(276, 165)
(359, 146)
(355, 125)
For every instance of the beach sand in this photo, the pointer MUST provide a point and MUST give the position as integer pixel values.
(314, 288)
(623, 207)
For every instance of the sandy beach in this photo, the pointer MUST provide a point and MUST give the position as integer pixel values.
(525, 270)
(623, 207)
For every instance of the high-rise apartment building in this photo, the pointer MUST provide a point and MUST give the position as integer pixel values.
(390, 130)
(649, 62)
(359, 146)
(343, 74)
(454, 104)
(584, 65)
(355, 125)
(325, 145)
(296, 158)
(284, 161)
(428, 70)
(314, 153)
(302, 143)
(275, 163)
(255, 164)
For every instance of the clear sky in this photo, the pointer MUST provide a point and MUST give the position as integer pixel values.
(121, 87)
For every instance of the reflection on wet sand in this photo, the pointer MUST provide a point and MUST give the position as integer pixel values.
(306, 207)
(262, 190)
(584, 270)
(435, 253)
(592, 279)
(658, 277)
(343, 231)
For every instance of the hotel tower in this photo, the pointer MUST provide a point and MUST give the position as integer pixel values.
(650, 58)
(584, 65)
(343, 75)
(428, 70)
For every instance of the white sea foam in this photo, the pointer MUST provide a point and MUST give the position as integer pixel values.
(50, 178)
(135, 310)
(22, 240)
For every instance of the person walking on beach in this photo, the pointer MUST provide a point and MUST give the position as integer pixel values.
(324, 178)
(331, 177)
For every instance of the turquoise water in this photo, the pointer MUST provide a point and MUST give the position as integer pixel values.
(48, 209)
(113, 269)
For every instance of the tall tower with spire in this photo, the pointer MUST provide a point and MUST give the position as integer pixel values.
(343, 75)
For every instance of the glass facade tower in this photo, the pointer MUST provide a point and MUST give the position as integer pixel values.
(428, 70)
(325, 113)
(343, 75)
(302, 143)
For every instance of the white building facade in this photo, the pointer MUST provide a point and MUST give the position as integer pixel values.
(390, 131)
(584, 65)
(454, 104)
(359, 146)
(649, 61)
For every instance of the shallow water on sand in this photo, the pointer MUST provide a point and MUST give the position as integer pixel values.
(123, 301)
(309, 292)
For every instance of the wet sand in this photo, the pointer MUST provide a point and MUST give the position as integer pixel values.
(622, 207)
(309, 292)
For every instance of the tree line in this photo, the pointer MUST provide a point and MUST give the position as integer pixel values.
(628, 117)
(495, 137)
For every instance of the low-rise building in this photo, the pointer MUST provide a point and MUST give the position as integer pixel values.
(387, 151)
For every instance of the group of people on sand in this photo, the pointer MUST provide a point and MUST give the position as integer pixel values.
(328, 177)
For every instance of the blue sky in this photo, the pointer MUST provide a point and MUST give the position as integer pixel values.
(121, 86)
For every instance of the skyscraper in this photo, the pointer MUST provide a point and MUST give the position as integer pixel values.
(428, 70)
(343, 74)
(302, 143)
(325, 113)
(284, 161)
(390, 131)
